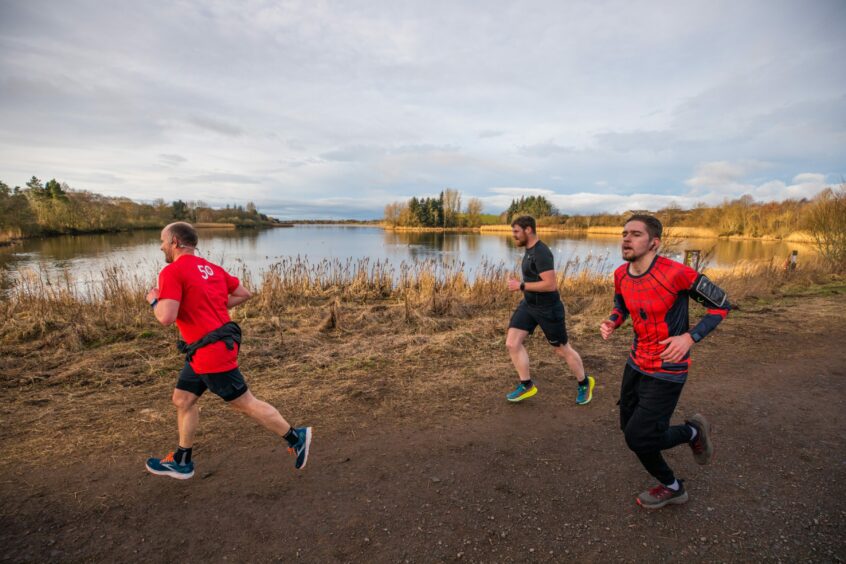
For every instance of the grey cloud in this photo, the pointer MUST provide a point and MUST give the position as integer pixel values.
(172, 159)
(353, 153)
(223, 177)
(544, 150)
(640, 140)
(216, 125)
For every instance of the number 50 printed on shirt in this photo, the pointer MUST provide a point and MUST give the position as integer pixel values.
(205, 271)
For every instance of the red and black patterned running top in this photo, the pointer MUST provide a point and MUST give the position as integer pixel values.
(658, 303)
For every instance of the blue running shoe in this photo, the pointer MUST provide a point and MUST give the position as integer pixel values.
(302, 446)
(167, 466)
(521, 392)
(586, 391)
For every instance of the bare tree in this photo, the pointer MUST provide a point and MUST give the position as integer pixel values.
(474, 212)
(452, 206)
(393, 213)
(827, 224)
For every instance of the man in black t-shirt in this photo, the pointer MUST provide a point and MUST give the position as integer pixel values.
(541, 305)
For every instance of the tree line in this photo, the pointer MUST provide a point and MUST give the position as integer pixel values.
(55, 208)
(741, 217)
(444, 211)
(738, 217)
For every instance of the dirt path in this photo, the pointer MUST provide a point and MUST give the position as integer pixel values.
(540, 481)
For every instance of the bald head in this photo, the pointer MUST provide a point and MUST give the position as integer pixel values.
(183, 232)
(178, 239)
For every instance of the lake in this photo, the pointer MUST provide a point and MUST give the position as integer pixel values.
(86, 255)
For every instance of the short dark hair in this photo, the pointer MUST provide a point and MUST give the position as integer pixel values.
(184, 233)
(652, 223)
(525, 221)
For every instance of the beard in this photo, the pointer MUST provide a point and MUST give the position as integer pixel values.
(632, 256)
(520, 242)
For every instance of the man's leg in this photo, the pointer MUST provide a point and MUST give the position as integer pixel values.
(648, 432)
(178, 464)
(265, 414)
(573, 360)
(519, 355)
(520, 359)
(187, 416)
(299, 440)
(554, 326)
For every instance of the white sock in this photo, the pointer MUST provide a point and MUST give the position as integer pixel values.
(693, 433)
(674, 486)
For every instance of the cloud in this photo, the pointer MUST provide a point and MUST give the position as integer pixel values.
(356, 153)
(723, 176)
(172, 159)
(216, 125)
(544, 150)
(805, 185)
(216, 177)
(640, 140)
(296, 101)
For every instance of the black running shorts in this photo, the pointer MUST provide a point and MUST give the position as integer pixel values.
(549, 317)
(228, 385)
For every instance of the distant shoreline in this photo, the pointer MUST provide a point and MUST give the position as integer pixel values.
(609, 231)
(9, 239)
(598, 231)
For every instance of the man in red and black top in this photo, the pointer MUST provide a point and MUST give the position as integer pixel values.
(655, 292)
(196, 295)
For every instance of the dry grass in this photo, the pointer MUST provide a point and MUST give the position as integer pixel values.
(333, 343)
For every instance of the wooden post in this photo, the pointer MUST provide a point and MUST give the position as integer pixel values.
(691, 258)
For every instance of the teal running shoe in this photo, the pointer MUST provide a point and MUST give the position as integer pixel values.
(521, 392)
(167, 466)
(301, 448)
(585, 393)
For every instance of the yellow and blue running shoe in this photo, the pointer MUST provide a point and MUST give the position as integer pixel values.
(585, 391)
(522, 392)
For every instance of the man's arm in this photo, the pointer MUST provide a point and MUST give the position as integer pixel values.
(238, 296)
(164, 309)
(618, 315)
(548, 283)
(714, 299)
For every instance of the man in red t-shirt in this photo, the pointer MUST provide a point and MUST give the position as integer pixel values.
(196, 295)
(655, 292)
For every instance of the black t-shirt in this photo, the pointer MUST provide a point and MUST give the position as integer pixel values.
(536, 260)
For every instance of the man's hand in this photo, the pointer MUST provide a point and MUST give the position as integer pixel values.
(606, 328)
(152, 295)
(513, 285)
(677, 347)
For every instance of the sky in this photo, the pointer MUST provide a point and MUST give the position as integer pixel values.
(333, 109)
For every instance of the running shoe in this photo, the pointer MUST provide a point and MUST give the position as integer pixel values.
(521, 392)
(702, 447)
(167, 466)
(585, 391)
(301, 448)
(661, 495)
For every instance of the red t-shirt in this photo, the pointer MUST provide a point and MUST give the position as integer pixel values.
(202, 290)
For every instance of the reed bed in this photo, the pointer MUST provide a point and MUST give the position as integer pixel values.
(39, 303)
